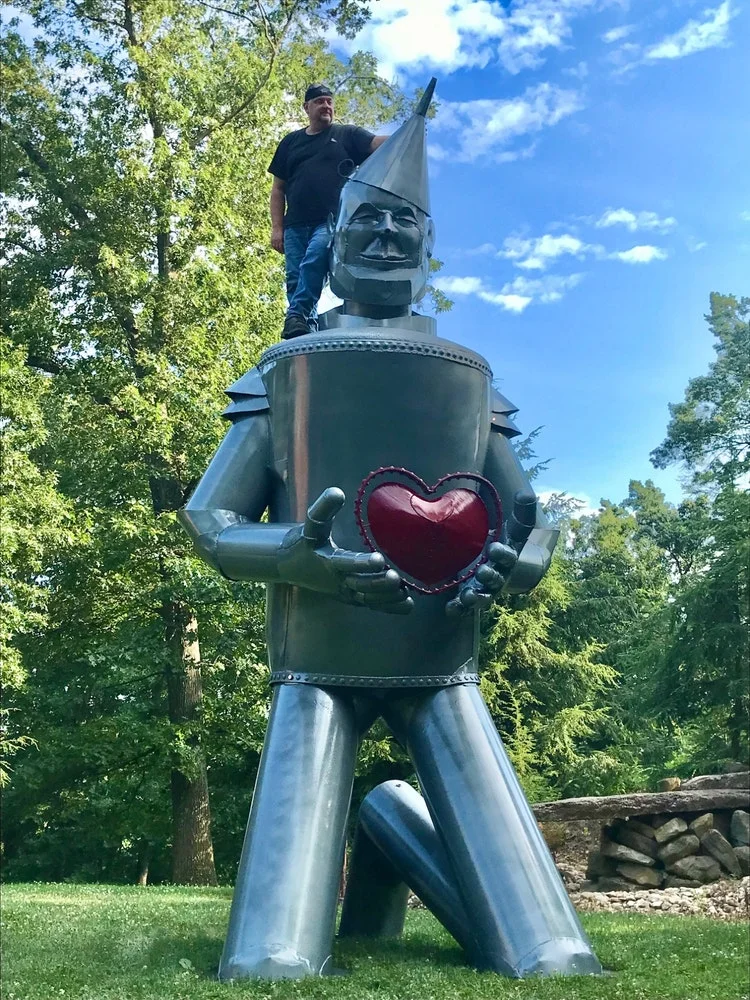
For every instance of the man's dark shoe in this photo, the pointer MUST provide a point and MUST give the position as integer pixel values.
(294, 326)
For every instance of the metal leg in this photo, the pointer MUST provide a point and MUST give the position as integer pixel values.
(522, 918)
(284, 907)
(396, 826)
(376, 895)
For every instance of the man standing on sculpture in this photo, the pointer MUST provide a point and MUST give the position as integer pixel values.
(309, 168)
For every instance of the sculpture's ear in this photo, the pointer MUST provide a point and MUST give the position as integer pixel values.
(429, 236)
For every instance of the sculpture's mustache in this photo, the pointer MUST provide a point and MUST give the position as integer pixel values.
(383, 249)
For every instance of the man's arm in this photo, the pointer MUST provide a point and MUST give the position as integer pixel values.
(377, 140)
(278, 199)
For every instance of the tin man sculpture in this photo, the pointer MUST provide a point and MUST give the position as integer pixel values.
(397, 510)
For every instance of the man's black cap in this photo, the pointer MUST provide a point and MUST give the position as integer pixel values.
(317, 90)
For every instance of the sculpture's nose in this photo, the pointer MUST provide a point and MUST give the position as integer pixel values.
(385, 225)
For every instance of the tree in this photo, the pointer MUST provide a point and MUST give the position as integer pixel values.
(36, 523)
(706, 665)
(692, 655)
(139, 280)
(710, 429)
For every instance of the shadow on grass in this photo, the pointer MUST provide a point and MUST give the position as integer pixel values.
(201, 949)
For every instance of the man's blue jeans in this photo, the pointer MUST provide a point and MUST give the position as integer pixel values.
(306, 251)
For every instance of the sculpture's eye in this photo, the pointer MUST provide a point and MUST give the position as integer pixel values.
(406, 219)
(365, 216)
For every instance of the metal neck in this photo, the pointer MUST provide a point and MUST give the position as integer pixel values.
(341, 318)
(352, 308)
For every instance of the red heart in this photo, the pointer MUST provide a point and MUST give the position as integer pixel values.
(431, 540)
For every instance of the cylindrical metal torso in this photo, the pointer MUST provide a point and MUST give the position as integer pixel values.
(342, 405)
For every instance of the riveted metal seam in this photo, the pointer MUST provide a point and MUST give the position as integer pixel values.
(384, 345)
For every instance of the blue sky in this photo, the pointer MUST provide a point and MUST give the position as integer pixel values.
(590, 169)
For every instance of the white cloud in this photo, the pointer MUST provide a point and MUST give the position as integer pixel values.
(745, 216)
(695, 245)
(578, 72)
(514, 296)
(458, 286)
(511, 303)
(484, 128)
(617, 34)
(640, 255)
(535, 254)
(447, 35)
(549, 288)
(695, 35)
(480, 251)
(635, 220)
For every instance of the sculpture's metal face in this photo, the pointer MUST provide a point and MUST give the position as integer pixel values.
(381, 248)
(383, 233)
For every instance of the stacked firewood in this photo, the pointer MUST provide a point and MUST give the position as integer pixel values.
(671, 851)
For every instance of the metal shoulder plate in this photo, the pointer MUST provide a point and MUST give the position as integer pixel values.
(248, 395)
(502, 410)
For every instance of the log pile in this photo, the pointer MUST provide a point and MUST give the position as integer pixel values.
(667, 851)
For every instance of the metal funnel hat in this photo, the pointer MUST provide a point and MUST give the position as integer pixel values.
(399, 166)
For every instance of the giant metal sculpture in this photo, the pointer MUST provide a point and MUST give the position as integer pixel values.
(396, 511)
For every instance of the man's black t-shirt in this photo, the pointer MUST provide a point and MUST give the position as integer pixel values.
(309, 166)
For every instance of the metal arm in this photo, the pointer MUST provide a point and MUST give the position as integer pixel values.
(222, 514)
(222, 518)
(504, 471)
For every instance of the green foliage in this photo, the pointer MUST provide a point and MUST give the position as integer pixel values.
(139, 282)
(115, 943)
(710, 429)
(546, 696)
(693, 653)
(36, 527)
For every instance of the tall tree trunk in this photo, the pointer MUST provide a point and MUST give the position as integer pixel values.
(192, 849)
(144, 858)
(737, 728)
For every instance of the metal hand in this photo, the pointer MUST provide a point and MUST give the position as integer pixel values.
(310, 558)
(479, 591)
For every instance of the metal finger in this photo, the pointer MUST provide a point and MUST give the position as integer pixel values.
(400, 608)
(389, 597)
(489, 577)
(502, 556)
(484, 600)
(469, 597)
(455, 609)
(346, 561)
(523, 518)
(320, 514)
(379, 582)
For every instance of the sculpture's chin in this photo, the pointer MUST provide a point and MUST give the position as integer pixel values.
(395, 285)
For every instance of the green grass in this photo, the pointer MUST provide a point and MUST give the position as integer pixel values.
(65, 942)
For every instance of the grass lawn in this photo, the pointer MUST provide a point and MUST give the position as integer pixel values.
(95, 942)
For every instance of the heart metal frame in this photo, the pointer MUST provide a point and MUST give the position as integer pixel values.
(392, 474)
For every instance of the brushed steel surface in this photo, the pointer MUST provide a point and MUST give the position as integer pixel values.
(410, 400)
(520, 912)
(284, 906)
(376, 896)
(394, 819)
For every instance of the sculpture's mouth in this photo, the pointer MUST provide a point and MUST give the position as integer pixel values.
(381, 255)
